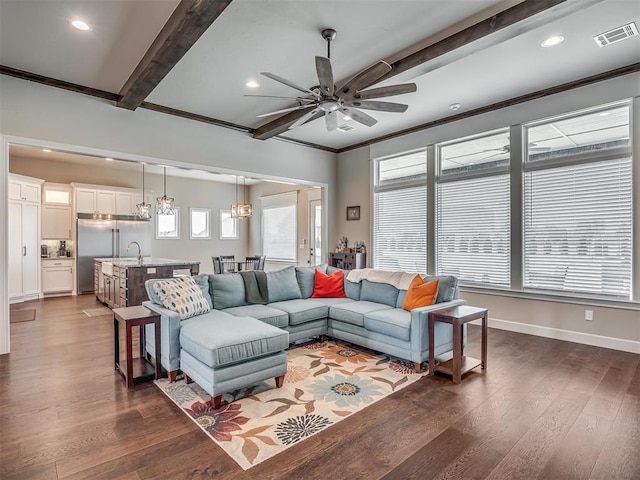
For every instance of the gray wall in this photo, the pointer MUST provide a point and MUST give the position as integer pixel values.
(538, 316)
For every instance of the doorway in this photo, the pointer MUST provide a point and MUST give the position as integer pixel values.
(315, 232)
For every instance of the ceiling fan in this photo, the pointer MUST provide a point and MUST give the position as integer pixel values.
(349, 99)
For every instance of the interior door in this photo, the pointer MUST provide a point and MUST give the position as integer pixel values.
(315, 232)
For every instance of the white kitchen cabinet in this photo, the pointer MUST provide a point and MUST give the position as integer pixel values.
(85, 200)
(125, 203)
(57, 276)
(23, 191)
(105, 202)
(56, 222)
(24, 241)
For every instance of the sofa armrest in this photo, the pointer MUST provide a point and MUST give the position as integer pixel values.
(420, 329)
(169, 336)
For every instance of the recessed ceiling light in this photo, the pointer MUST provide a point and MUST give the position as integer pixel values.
(624, 138)
(252, 84)
(346, 117)
(552, 41)
(48, 150)
(604, 114)
(109, 159)
(80, 25)
(454, 106)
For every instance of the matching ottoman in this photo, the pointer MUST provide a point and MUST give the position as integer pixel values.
(225, 353)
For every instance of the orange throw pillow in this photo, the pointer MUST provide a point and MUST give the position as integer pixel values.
(328, 286)
(420, 294)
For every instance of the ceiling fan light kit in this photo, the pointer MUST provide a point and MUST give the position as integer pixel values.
(326, 100)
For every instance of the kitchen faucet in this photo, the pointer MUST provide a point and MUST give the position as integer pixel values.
(139, 251)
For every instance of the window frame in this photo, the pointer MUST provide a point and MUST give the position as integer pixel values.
(176, 234)
(192, 235)
(277, 201)
(227, 214)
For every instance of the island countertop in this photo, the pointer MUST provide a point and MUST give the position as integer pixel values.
(130, 262)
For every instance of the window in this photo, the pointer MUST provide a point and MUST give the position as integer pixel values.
(279, 227)
(400, 213)
(577, 200)
(200, 222)
(473, 210)
(228, 226)
(168, 226)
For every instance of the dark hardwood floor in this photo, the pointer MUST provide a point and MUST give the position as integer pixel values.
(544, 409)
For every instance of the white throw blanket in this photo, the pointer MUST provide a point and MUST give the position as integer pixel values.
(400, 280)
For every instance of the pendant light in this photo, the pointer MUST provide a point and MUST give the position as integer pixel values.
(143, 209)
(164, 204)
(241, 210)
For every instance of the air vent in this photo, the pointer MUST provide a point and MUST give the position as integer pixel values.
(616, 35)
(345, 128)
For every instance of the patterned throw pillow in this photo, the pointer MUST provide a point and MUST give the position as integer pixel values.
(181, 295)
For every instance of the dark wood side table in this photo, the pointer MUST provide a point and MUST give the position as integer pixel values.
(457, 317)
(132, 369)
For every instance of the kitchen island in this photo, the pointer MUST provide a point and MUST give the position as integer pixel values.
(120, 282)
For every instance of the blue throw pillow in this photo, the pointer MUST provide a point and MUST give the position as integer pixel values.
(283, 285)
(227, 290)
(379, 293)
(447, 287)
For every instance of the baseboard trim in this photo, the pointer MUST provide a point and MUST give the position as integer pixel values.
(567, 335)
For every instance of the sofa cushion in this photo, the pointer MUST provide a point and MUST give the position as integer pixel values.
(330, 301)
(265, 313)
(379, 292)
(203, 282)
(302, 310)
(394, 323)
(420, 294)
(223, 339)
(329, 286)
(282, 285)
(227, 290)
(447, 287)
(352, 289)
(306, 278)
(181, 295)
(354, 312)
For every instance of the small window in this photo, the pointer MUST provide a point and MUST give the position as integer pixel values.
(168, 226)
(228, 226)
(200, 223)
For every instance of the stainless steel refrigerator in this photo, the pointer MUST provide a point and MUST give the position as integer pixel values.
(100, 238)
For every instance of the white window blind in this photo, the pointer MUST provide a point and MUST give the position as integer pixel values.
(279, 227)
(473, 230)
(577, 228)
(400, 229)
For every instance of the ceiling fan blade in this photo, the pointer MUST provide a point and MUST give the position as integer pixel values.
(288, 83)
(325, 75)
(297, 99)
(389, 91)
(380, 106)
(365, 78)
(331, 119)
(285, 110)
(303, 119)
(319, 113)
(359, 116)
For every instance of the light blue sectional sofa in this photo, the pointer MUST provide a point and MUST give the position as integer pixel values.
(370, 316)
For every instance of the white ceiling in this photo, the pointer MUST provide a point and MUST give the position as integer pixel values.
(283, 37)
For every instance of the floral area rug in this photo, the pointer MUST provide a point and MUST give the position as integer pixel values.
(325, 383)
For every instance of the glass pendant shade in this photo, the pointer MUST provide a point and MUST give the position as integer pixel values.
(241, 210)
(143, 210)
(164, 205)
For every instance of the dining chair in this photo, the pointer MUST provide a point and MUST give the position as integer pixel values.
(255, 262)
(228, 263)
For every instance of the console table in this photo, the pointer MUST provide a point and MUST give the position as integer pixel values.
(132, 369)
(347, 260)
(457, 317)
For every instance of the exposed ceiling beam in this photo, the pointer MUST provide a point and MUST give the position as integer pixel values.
(187, 23)
(498, 28)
